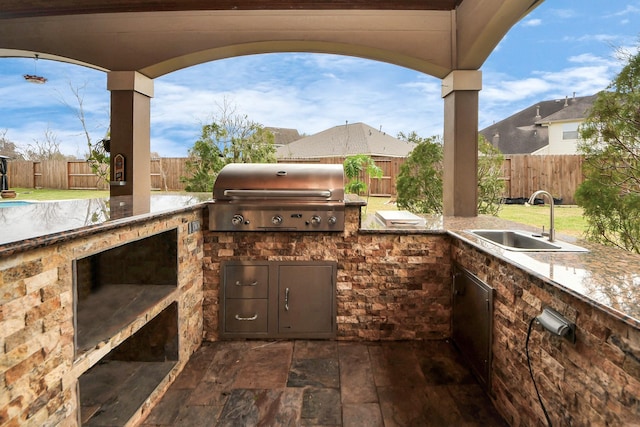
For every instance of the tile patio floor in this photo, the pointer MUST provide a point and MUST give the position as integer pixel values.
(324, 383)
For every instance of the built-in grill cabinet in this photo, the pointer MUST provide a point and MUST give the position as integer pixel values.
(278, 299)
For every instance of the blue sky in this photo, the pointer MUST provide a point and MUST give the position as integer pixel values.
(562, 47)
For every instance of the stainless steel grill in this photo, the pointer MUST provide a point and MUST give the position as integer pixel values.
(278, 196)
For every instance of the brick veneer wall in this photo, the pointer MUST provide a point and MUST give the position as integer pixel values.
(389, 286)
(595, 381)
(38, 376)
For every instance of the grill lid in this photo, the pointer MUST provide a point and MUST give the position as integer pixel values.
(252, 181)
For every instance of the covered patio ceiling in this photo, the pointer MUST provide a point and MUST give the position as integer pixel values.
(156, 38)
(136, 41)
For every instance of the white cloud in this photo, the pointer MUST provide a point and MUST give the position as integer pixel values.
(532, 23)
(563, 13)
(628, 10)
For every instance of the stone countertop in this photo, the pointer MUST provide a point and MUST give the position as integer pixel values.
(38, 224)
(604, 277)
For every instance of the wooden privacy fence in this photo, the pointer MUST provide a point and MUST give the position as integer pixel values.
(523, 174)
(76, 175)
(384, 186)
(560, 175)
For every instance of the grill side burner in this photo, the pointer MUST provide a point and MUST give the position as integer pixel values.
(278, 197)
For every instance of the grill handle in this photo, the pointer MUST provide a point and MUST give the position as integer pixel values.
(277, 193)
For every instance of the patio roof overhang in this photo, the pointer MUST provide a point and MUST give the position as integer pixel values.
(447, 39)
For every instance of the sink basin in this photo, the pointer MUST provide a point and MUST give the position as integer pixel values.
(524, 241)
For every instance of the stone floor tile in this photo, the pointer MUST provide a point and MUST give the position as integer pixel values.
(199, 362)
(442, 365)
(356, 376)
(403, 406)
(315, 350)
(198, 416)
(262, 408)
(321, 406)
(396, 365)
(474, 406)
(361, 415)
(264, 366)
(321, 373)
(167, 410)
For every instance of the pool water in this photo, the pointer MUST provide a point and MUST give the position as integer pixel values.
(13, 203)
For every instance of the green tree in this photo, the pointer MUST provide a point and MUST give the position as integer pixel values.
(354, 167)
(490, 177)
(229, 138)
(610, 141)
(419, 183)
(204, 161)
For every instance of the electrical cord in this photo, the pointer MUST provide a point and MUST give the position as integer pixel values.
(526, 347)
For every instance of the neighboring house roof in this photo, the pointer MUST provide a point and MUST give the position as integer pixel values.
(284, 136)
(346, 140)
(577, 109)
(525, 131)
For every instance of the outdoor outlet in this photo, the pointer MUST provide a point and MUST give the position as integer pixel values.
(557, 324)
(194, 226)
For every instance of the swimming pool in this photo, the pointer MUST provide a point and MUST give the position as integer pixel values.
(13, 203)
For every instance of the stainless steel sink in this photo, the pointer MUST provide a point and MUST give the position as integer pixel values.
(524, 241)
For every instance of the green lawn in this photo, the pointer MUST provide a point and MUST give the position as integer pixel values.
(568, 219)
(51, 194)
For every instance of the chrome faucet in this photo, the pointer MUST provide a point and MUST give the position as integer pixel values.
(552, 228)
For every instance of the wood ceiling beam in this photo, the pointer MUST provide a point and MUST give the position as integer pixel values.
(33, 8)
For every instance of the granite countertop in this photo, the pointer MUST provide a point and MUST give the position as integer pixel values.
(36, 224)
(604, 277)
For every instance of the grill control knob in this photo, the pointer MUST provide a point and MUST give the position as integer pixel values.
(276, 220)
(315, 220)
(237, 219)
(332, 220)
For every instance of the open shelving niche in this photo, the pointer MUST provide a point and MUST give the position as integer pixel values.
(126, 326)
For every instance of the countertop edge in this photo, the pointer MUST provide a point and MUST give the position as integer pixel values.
(12, 248)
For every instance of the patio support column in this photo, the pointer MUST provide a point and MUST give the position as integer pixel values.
(131, 94)
(460, 175)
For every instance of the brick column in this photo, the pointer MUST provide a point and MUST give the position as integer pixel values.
(460, 176)
(131, 94)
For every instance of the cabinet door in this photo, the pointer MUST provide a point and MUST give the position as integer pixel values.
(472, 321)
(306, 299)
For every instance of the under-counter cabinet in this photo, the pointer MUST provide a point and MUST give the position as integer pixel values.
(472, 320)
(278, 299)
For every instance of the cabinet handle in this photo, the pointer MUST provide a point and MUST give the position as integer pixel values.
(252, 318)
(248, 284)
(286, 299)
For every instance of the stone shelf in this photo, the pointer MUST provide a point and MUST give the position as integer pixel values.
(114, 312)
(112, 391)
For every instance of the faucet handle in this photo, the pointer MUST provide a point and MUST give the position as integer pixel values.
(544, 233)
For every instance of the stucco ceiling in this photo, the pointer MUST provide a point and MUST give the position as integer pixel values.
(156, 38)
